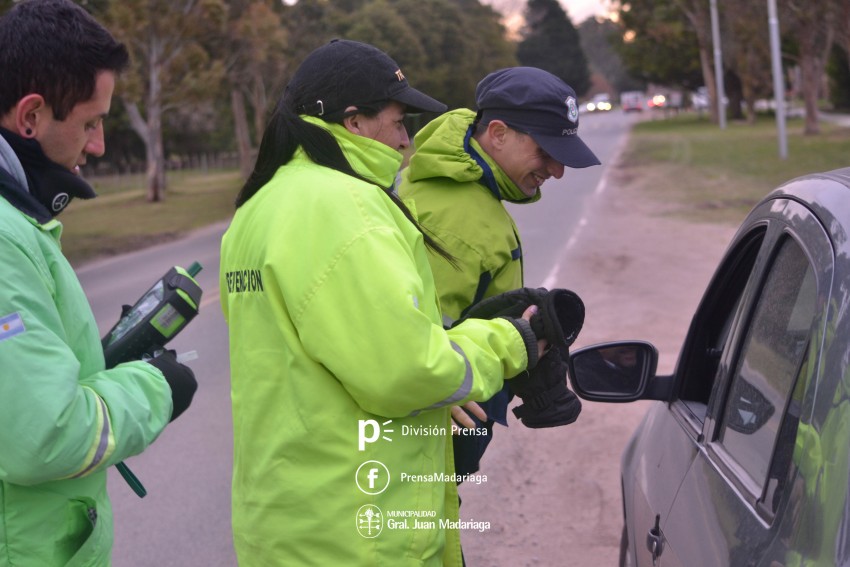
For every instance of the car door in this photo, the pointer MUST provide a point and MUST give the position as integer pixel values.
(672, 435)
(742, 377)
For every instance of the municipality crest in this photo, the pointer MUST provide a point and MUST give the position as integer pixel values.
(572, 109)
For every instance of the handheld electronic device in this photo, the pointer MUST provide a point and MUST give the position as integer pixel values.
(146, 327)
(156, 318)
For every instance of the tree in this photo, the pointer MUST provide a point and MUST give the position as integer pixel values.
(843, 30)
(839, 76)
(312, 23)
(463, 41)
(255, 58)
(551, 42)
(602, 41)
(169, 66)
(813, 26)
(746, 51)
(668, 41)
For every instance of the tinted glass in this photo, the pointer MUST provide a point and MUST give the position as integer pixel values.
(711, 325)
(770, 359)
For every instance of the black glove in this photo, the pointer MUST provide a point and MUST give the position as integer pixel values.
(181, 379)
(558, 320)
(547, 401)
(562, 316)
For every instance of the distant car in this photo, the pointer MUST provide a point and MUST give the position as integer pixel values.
(745, 460)
(657, 101)
(700, 99)
(599, 103)
(632, 101)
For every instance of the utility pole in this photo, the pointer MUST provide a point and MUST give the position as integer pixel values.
(778, 79)
(718, 66)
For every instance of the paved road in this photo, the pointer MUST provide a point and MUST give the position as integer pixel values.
(185, 519)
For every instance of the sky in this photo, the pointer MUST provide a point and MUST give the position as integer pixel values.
(578, 10)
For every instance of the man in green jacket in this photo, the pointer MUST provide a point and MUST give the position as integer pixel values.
(64, 418)
(465, 165)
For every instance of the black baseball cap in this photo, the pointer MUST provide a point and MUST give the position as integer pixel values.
(539, 104)
(345, 73)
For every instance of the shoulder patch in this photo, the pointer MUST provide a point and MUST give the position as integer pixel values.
(11, 325)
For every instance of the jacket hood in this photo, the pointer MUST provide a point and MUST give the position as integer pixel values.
(440, 152)
(374, 160)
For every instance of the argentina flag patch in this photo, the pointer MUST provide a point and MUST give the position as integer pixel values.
(11, 325)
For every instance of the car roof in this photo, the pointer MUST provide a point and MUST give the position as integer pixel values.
(827, 195)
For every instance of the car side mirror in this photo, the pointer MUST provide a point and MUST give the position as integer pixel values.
(614, 372)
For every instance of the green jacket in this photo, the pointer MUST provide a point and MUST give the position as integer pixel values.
(462, 206)
(335, 329)
(63, 418)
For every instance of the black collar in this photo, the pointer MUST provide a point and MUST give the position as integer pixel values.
(51, 185)
(18, 197)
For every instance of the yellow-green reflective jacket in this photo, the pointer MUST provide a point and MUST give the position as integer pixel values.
(458, 198)
(63, 418)
(342, 375)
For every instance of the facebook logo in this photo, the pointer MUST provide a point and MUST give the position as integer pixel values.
(372, 477)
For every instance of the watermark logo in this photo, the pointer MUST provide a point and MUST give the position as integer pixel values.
(370, 521)
(372, 477)
(369, 431)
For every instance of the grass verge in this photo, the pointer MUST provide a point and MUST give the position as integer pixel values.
(702, 173)
(122, 220)
(686, 164)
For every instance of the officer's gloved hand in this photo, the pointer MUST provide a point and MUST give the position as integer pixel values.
(547, 401)
(559, 319)
(181, 379)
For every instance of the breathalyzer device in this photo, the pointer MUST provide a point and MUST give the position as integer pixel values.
(156, 318)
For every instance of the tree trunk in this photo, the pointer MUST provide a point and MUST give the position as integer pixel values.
(155, 153)
(156, 158)
(810, 85)
(710, 83)
(816, 24)
(153, 147)
(697, 13)
(735, 94)
(240, 127)
(260, 102)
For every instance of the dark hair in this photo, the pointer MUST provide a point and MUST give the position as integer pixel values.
(287, 131)
(56, 49)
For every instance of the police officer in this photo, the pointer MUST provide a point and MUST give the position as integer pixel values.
(342, 376)
(64, 418)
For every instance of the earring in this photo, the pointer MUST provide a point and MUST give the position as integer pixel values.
(28, 131)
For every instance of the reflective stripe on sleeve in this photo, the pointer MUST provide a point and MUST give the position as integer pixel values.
(104, 444)
(461, 392)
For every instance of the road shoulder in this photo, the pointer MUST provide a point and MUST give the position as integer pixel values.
(553, 495)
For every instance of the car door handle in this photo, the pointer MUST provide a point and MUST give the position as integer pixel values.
(655, 540)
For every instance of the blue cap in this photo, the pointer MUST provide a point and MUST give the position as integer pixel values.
(539, 104)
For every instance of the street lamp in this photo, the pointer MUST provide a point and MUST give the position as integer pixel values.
(718, 66)
(778, 80)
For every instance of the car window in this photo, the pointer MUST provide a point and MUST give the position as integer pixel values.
(770, 360)
(710, 328)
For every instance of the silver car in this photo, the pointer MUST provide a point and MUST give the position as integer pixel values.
(745, 459)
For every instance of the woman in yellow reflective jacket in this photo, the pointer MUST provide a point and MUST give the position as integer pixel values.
(342, 376)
